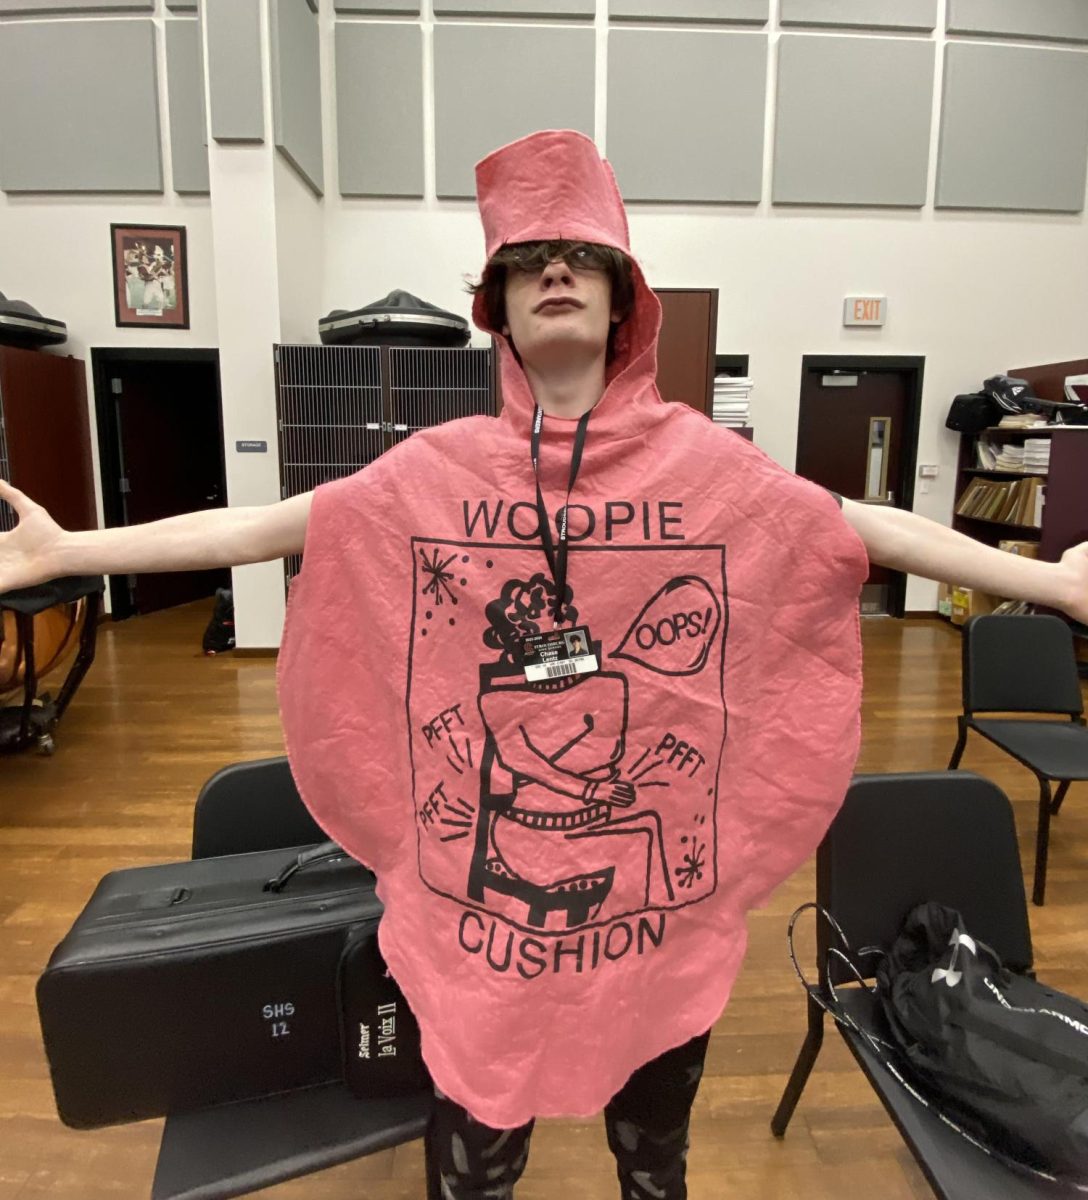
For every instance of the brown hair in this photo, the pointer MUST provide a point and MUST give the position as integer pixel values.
(492, 284)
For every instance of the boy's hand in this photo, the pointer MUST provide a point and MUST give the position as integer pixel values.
(27, 553)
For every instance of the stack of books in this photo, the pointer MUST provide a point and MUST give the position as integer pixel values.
(1037, 455)
(1016, 502)
(732, 396)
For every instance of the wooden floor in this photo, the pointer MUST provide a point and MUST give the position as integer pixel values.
(155, 718)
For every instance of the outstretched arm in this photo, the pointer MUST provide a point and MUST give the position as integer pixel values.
(905, 541)
(38, 549)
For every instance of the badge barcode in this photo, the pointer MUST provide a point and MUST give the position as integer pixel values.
(563, 668)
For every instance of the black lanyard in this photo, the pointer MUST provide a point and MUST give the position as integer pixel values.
(557, 558)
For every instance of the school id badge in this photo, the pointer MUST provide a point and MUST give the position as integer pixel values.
(558, 652)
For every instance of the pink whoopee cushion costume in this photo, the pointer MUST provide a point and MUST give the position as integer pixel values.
(550, 938)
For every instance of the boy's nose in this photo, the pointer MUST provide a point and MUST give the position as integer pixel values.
(556, 272)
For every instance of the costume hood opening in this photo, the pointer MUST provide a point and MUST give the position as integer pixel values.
(550, 186)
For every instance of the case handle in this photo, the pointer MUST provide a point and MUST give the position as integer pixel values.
(325, 852)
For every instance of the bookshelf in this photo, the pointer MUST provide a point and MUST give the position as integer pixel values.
(1064, 518)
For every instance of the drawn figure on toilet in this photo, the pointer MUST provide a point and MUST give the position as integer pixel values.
(559, 828)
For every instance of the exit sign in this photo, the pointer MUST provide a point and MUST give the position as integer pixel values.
(865, 310)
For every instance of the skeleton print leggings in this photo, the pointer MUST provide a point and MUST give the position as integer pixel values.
(646, 1122)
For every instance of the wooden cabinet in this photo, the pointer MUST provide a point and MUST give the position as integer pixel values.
(1065, 510)
(45, 442)
(686, 348)
(1065, 491)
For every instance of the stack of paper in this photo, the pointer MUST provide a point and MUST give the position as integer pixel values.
(1037, 455)
(1011, 458)
(1021, 421)
(732, 395)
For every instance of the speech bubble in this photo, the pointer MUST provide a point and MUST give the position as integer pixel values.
(675, 629)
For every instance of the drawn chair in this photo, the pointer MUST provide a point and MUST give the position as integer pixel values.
(578, 896)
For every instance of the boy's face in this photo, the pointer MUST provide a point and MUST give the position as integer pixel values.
(558, 315)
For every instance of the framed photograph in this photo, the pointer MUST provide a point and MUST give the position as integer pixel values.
(150, 276)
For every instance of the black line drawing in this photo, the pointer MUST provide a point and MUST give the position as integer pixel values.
(646, 770)
(538, 799)
(562, 830)
(438, 577)
(676, 628)
(693, 862)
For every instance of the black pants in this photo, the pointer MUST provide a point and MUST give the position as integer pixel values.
(646, 1121)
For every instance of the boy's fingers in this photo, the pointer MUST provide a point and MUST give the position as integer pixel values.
(18, 500)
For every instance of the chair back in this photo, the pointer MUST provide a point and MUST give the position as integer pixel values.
(1020, 664)
(902, 840)
(252, 806)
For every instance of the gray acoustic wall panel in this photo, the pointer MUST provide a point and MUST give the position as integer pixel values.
(861, 14)
(19, 7)
(404, 7)
(1022, 147)
(296, 89)
(1052, 20)
(478, 110)
(734, 12)
(234, 70)
(514, 8)
(853, 122)
(185, 95)
(379, 109)
(686, 114)
(95, 126)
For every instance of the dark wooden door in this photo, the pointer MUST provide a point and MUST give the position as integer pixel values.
(171, 460)
(43, 402)
(685, 349)
(851, 439)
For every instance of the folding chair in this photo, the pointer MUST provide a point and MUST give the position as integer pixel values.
(232, 1149)
(252, 806)
(1027, 665)
(901, 840)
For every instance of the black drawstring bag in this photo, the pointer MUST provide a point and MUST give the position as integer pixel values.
(998, 1057)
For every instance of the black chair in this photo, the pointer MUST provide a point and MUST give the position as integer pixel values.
(252, 806)
(901, 840)
(1027, 665)
(232, 1149)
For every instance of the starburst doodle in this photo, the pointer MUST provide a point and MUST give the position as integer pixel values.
(694, 861)
(438, 576)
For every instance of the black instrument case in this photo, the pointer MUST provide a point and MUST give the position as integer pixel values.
(219, 979)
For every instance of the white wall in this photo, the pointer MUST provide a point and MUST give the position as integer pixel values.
(973, 293)
(55, 253)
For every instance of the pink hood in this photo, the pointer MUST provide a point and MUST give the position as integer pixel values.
(550, 935)
(554, 185)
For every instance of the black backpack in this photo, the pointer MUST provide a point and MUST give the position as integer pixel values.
(1002, 1055)
(219, 635)
(973, 412)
